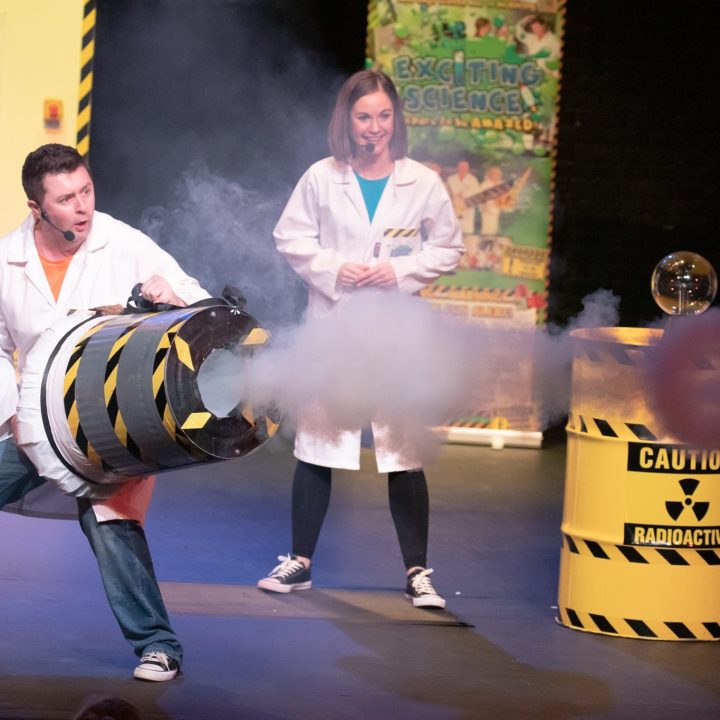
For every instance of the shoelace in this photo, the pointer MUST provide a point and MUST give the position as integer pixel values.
(159, 658)
(286, 567)
(421, 583)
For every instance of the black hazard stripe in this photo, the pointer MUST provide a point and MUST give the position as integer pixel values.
(401, 232)
(117, 348)
(161, 400)
(43, 395)
(87, 54)
(641, 431)
(71, 369)
(74, 360)
(597, 351)
(641, 628)
(627, 354)
(74, 421)
(110, 383)
(604, 427)
(642, 555)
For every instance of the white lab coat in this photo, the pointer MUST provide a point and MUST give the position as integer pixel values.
(464, 187)
(326, 224)
(533, 44)
(113, 259)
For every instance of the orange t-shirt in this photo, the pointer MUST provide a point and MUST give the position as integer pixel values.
(55, 271)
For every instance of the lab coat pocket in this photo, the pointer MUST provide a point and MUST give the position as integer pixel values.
(402, 241)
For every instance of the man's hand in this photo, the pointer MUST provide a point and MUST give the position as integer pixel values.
(158, 290)
(14, 429)
(381, 275)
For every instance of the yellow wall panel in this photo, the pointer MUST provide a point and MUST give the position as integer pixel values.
(40, 46)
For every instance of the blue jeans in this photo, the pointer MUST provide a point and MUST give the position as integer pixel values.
(123, 557)
(129, 579)
(17, 474)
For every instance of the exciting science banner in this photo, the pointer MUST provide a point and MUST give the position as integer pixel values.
(480, 84)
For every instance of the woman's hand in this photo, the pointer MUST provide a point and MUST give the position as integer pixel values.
(350, 274)
(381, 275)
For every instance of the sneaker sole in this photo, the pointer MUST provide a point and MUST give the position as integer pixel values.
(275, 586)
(427, 602)
(154, 675)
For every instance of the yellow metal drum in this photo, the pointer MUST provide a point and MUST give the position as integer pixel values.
(640, 554)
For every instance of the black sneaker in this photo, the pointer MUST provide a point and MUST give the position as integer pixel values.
(156, 666)
(289, 575)
(419, 589)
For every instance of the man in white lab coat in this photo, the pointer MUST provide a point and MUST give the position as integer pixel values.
(66, 256)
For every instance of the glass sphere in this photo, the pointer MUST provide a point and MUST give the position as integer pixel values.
(684, 283)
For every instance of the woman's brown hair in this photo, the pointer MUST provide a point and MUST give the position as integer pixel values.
(356, 86)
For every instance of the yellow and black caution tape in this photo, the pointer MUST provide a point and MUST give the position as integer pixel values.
(609, 428)
(642, 555)
(639, 627)
(401, 232)
(471, 294)
(131, 397)
(87, 54)
(69, 387)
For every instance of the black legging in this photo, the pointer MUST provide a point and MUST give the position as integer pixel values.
(409, 506)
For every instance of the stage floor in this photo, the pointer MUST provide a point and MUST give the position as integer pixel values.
(352, 647)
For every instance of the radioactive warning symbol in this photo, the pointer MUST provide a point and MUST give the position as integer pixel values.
(675, 508)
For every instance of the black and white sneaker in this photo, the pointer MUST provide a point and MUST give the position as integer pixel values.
(421, 592)
(157, 667)
(289, 575)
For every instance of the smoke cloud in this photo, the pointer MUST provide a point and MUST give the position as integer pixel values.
(221, 233)
(393, 359)
(384, 357)
(683, 380)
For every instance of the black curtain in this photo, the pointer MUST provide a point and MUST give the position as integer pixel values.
(206, 112)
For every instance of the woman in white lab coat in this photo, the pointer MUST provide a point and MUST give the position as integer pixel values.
(367, 217)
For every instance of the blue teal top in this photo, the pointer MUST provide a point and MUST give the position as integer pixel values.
(372, 191)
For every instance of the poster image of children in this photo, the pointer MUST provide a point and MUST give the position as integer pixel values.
(539, 41)
(462, 184)
(491, 208)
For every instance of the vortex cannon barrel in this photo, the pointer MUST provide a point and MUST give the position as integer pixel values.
(106, 398)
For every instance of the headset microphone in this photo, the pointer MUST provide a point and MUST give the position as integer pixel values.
(369, 147)
(69, 235)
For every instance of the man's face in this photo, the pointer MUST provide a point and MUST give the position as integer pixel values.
(70, 202)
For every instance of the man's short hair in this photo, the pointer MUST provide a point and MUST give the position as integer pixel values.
(48, 159)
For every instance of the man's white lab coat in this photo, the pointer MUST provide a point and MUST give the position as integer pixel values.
(103, 271)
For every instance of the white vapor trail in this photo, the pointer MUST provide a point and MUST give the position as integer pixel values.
(393, 359)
